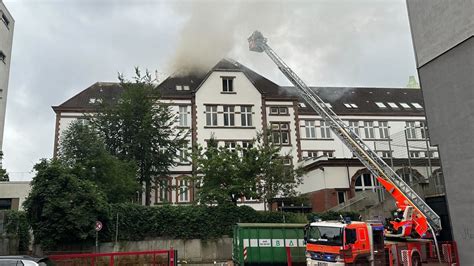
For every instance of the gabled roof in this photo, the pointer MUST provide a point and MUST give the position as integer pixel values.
(364, 98)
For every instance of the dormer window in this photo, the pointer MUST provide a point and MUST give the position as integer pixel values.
(228, 84)
(179, 87)
(351, 105)
(186, 87)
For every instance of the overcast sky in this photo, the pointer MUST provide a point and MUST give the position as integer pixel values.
(61, 47)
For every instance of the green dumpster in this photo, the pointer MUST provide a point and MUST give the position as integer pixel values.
(265, 244)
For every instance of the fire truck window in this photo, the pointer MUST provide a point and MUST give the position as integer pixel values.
(351, 236)
(325, 235)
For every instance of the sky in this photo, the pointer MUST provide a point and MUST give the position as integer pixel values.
(61, 47)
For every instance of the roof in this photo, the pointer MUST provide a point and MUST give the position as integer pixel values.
(343, 100)
(363, 101)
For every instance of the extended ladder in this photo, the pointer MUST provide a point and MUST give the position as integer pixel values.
(369, 158)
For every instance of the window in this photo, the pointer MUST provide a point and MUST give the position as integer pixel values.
(164, 190)
(230, 145)
(423, 130)
(310, 129)
(179, 87)
(414, 154)
(286, 161)
(183, 190)
(369, 129)
(393, 105)
(5, 204)
(211, 115)
(328, 105)
(227, 84)
(329, 154)
(312, 154)
(366, 182)
(246, 116)
(5, 20)
(325, 129)
(229, 116)
(281, 133)
(183, 153)
(246, 145)
(341, 197)
(2, 56)
(354, 126)
(302, 105)
(410, 130)
(186, 87)
(417, 106)
(380, 105)
(405, 106)
(278, 110)
(351, 105)
(183, 116)
(385, 154)
(383, 130)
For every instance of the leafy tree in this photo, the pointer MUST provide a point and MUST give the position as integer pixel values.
(84, 151)
(140, 128)
(3, 173)
(258, 172)
(61, 207)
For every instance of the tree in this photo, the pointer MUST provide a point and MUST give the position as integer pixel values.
(61, 207)
(83, 150)
(3, 172)
(257, 172)
(141, 129)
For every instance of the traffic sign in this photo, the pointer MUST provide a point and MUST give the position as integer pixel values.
(98, 226)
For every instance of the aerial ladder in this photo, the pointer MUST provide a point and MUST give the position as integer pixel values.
(422, 217)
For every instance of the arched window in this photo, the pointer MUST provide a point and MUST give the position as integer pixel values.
(366, 181)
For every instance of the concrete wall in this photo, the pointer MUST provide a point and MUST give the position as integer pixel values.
(439, 25)
(17, 191)
(443, 39)
(6, 39)
(191, 251)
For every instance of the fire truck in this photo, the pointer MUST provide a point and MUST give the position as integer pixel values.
(411, 239)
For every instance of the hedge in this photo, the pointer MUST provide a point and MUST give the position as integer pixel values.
(136, 222)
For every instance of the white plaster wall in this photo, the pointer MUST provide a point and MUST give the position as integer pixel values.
(6, 39)
(210, 93)
(14, 189)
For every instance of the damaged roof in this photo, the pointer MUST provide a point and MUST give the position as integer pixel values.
(343, 100)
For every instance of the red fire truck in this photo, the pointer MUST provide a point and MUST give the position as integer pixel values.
(365, 243)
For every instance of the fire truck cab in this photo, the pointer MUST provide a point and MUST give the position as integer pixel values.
(340, 243)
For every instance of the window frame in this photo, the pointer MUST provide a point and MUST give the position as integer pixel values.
(182, 115)
(276, 127)
(278, 110)
(384, 132)
(228, 84)
(228, 112)
(246, 115)
(183, 189)
(369, 128)
(310, 129)
(325, 130)
(211, 115)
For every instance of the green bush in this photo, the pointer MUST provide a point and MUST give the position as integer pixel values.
(186, 222)
(17, 224)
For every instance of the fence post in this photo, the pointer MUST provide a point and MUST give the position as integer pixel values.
(171, 257)
(288, 256)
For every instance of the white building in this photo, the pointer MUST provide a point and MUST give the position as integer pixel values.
(6, 38)
(233, 103)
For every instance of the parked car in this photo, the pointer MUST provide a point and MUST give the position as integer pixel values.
(25, 261)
